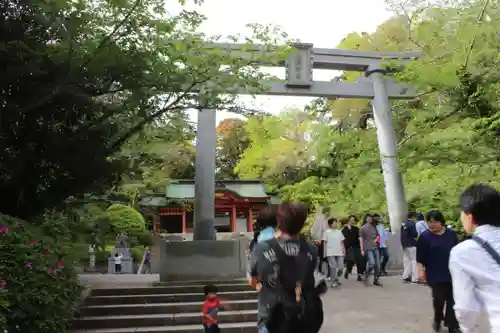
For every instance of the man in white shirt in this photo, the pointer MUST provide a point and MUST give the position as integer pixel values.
(421, 224)
(475, 263)
(334, 250)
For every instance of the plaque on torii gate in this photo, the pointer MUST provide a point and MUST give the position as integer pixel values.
(299, 81)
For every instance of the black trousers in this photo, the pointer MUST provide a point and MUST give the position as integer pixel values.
(354, 257)
(442, 294)
(322, 259)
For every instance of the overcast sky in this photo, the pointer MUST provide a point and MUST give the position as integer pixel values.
(324, 23)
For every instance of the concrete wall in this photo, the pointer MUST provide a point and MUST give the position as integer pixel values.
(203, 260)
(225, 257)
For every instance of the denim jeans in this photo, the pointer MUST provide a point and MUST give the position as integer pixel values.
(384, 257)
(373, 262)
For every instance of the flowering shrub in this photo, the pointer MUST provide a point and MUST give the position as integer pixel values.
(38, 287)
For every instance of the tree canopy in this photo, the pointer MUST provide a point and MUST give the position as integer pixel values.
(448, 137)
(82, 79)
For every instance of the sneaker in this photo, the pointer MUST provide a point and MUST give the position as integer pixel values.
(334, 285)
(436, 326)
(384, 273)
(377, 283)
(454, 330)
(346, 275)
(360, 278)
(407, 280)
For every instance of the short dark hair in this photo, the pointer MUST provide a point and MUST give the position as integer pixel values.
(420, 216)
(352, 217)
(332, 221)
(291, 217)
(210, 289)
(367, 215)
(435, 215)
(483, 203)
(267, 217)
(412, 215)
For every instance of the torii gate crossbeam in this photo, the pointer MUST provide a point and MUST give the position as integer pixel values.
(299, 82)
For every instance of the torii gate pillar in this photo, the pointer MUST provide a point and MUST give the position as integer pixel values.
(386, 137)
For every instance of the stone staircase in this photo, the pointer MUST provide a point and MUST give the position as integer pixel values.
(175, 307)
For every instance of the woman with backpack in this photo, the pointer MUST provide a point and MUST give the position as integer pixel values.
(282, 268)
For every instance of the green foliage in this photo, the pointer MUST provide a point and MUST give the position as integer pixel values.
(232, 140)
(41, 288)
(448, 137)
(137, 254)
(124, 218)
(144, 238)
(81, 79)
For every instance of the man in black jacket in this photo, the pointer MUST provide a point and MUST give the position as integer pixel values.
(353, 249)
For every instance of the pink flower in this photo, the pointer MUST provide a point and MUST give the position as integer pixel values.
(47, 252)
(50, 270)
(60, 265)
(27, 264)
(33, 242)
(3, 284)
(4, 230)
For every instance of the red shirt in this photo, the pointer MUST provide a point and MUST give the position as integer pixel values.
(211, 307)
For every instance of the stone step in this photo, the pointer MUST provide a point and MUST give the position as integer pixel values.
(168, 289)
(167, 298)
(199, 282)
(243, 327)
(158, 308)
(161, 319)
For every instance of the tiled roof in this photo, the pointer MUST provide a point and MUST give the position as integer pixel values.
(184, 189)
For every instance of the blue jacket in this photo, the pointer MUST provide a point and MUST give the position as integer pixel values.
(409, 234)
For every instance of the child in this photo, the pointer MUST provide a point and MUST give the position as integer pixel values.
(334, 250)
(118, 263)
(210, 309)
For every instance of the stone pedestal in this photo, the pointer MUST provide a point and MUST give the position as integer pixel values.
(127, 261)
(203, 260)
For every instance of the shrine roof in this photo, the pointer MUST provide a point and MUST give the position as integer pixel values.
(184, 189)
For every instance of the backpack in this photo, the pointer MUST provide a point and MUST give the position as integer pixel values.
(299, 308)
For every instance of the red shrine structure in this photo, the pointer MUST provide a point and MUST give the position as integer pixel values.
(236, 205)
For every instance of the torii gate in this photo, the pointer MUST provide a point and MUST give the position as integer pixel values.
(299, 82)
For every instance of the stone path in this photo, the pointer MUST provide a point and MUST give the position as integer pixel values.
(394, 308)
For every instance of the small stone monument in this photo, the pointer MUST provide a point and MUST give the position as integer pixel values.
(122, 247)
(92, 256)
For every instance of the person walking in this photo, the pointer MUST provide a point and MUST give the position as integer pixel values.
(409, 242)
(353, 248)
(282, 269)
(475, 262)
(433, 253)
(369, 240)
(384, 244)
(335, 250)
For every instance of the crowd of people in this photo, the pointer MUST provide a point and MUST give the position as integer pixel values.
(464, 277)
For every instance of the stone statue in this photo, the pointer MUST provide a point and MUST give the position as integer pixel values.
(122, 240)
(92, 256)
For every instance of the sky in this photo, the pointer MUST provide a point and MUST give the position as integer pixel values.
(324, 23)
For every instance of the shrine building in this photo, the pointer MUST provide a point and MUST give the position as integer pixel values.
(236, 205)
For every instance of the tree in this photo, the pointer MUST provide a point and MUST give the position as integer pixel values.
(232, 140)
(80, 79)
(448, 137)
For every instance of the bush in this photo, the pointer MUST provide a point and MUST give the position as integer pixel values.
(124, 218)
(137, 254)
(40, 289)
(145, 238)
